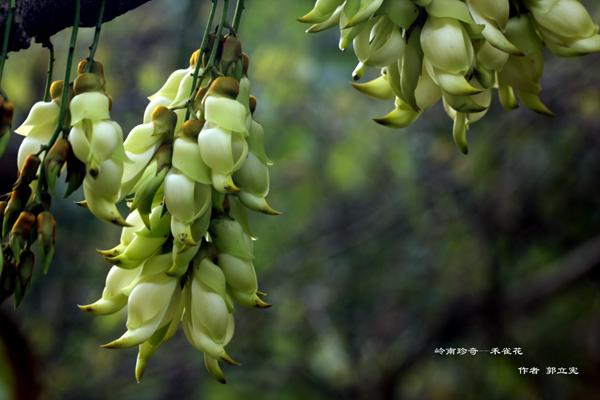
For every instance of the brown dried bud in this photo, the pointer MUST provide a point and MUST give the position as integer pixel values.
(16, 204)
(46, 230)
(164, 121)
(163, 157)
(200, 98)
(54, 161)
(252, 104)
(20, 232)
(28, 171)
(232, 50)
(75, 173)
(208, 49)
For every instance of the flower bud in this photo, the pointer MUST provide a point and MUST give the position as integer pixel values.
(97, 69)
(54, 161)
(194, 58)
(76, 171)
(25, 268)
(224, 86)
(87, 82)
(8, 279)
(28, 171)
(164, 121)
(56, 90)
(232, 50)
(46, 229)
(16, 204)
(19, 234)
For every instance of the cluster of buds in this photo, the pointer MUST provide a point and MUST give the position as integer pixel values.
(456, 50)
(25, 217)
(23, 227)
(186, 248)
(93, 155)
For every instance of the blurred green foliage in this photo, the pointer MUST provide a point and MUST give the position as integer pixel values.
(392, 243)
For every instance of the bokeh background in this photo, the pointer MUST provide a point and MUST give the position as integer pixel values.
(392, 243)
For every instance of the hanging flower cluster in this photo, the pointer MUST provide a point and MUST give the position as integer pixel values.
(25, 217)
(186, 247)
(455, 50)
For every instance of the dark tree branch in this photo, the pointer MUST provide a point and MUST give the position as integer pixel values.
(40, 19)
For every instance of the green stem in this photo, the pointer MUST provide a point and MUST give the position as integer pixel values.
(211, 16)
(63, 99)
(210, 67)
(50, 69)
(9, 18)
(213, 54)
(94, 45)
(239, 8)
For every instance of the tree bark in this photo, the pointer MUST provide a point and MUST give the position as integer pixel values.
(40, 19)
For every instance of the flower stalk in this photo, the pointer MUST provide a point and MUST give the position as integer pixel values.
(63, 100)
(238, 15)
(50, 69)
(211, 17)
(94, 45)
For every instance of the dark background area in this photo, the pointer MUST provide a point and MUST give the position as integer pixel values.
(392, 243)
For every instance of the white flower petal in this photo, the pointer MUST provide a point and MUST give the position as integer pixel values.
(170, 87)
(187, 158)
(157, 101)
(104, 139)
(117, 279)
(79, 143)
(228, 113)
(184, 89)
(90, 105)
(150, 299)
(29, 146)
(140, 139)
(40, 113)
(108, 181)
(179, 195)
(215, 148)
